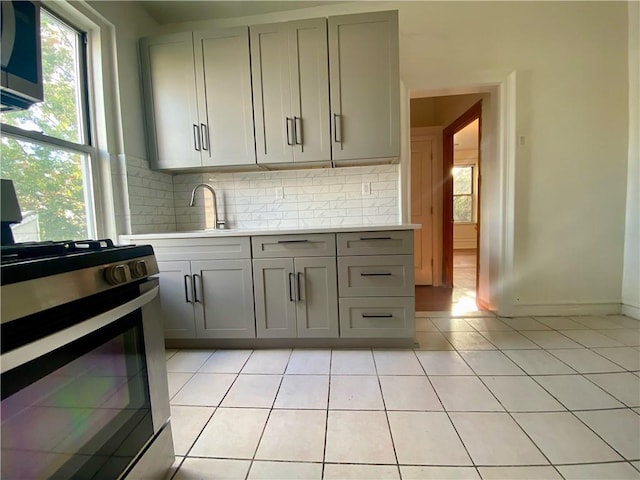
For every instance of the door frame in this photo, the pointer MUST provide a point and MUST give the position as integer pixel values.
(473, 113)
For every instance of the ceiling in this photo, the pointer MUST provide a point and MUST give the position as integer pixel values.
(176, 11)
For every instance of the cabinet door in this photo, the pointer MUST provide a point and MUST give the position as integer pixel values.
(317, 295)
(169, 83)
(272, 93)
(274, 291)
(309, 60)
(223, 299)
(176, 297)
(223, 73)
(365, 85)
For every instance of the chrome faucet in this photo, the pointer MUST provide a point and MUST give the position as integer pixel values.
(216, 223)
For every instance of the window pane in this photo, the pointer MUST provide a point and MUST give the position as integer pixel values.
(462, 208)
(60, 115)
(462, 180)
(50, 185)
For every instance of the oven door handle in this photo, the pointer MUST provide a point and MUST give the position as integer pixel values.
(33, 350)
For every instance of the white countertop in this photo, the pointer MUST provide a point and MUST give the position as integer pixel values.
(240, 232)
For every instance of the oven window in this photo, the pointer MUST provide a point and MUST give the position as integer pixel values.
(82, 411)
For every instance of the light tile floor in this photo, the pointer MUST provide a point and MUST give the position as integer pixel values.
(478, 397)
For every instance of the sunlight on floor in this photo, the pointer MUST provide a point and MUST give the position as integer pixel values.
(463, 300)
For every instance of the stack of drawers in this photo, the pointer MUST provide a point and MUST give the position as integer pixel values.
(376, 284)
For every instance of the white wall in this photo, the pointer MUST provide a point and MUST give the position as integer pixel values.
(631, 277)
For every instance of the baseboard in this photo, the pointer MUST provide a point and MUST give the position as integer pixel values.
(551, 310)
(632, 311)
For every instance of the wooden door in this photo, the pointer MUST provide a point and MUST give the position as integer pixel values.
(272, 93)
(365, 85)
(223, 72)
(223, 299)
(176, 299)
(169, 84)
(309, 63)
(317, 297)
(422, 208)
(275, 298)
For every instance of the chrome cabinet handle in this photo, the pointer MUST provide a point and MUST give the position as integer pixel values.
(299, 288)
(380, 315)
(204, 131)
(385, 274)
(195, 287)
(291, 277)
(186, 289)
(290, 128)
(337, 128)
(196, 137)
(297, 130)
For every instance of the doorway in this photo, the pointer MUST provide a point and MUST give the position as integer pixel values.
(445, 186)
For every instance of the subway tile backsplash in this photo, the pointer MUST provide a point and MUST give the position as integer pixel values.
(289, 198)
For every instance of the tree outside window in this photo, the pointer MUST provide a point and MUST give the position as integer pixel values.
(46, 149)
(463, 194)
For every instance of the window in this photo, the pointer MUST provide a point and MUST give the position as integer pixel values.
(47, 149)
(462, 194)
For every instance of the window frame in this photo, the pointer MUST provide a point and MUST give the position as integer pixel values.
(97, 192)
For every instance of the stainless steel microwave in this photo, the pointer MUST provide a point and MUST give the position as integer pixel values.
(20, 50)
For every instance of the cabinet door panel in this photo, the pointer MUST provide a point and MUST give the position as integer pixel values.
(176, 296)
(275, 298)
(224, 293)
(224, 94)
(169, 82)
(271, 91)
(309, 57)
(365, 85)
(317, 293)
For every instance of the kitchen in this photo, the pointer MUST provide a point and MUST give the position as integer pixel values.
(144, 201)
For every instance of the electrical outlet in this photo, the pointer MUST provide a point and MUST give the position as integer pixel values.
(279, 193)
(366, 188)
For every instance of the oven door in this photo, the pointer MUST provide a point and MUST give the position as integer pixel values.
(85, 401)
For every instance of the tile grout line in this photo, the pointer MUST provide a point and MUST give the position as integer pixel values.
(264, 428)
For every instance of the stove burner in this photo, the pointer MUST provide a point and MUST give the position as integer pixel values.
(30, 250)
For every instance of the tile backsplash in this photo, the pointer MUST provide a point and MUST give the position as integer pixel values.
(150, 195)
(290, 198)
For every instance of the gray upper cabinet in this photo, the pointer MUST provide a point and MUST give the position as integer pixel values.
(365, 85)
(197, 90)
(169, 83)
(291, 91)
(223, 75)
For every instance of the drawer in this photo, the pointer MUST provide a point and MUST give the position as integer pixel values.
(201, 248)
(395, 242)
(278, 246)
(384, 317)
(388, 275)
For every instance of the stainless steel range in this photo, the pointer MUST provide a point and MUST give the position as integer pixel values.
(84, 383)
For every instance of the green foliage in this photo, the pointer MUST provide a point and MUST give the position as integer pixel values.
(49, 180)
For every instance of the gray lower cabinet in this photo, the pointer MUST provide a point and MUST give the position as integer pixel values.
(207, 299)
(296, 297)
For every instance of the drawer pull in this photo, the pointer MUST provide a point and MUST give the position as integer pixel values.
(377, 315)
(385, 274)
(375, 238)
(293, 241)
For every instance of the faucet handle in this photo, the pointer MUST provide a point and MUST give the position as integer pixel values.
(220, 224)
